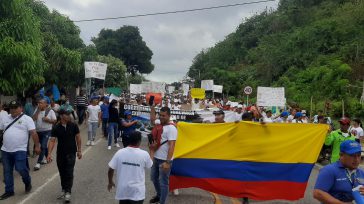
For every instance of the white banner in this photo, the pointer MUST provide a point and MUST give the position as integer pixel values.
(171, 89)
(218, 88)
(208, 85)
(270, 96)
(95, 70)
(158, 87)
(146, 87)
(185, 88)
(135, 88)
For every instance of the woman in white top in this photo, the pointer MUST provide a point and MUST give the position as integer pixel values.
(357, 130)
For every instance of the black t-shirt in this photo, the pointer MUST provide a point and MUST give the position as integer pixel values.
(66, 137)
(113, 115)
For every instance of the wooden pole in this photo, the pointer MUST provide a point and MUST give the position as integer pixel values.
(343, 107)
(311, 108)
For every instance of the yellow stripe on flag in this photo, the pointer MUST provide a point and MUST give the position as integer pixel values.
(248, 141)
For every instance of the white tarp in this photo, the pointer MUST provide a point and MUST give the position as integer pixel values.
(185, 88)
(218, 88)
(135, 88)
(95, 70)
(171, 89)
(271, 96)
(208, 85)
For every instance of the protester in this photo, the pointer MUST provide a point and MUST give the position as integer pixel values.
(304, 117)
(44, 118)
(93, 115)
(267, 117)
(130, 164)
(282, 117)
(239, 112)
(163, 156)
(292, 115)
(357, 130)
(81, 105)
(3, 115)
(113, 121)
(336, 181)
(67, 134)
(17, 126)
(219, 116)
(315, 118)
(30, 107)
(297, 118)
(335, 138)
(129, 126)
(105, 115)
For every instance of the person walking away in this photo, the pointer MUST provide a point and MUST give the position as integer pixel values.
(16, 129)
(44, 118)
(113, 122)
(335, 181)
(130, 164)
(357, 130)
(129, 126)
(93, 115)
(80, 106)
(335, 138)
(162, 161)
(105, 115)
(67, 134)
(3, 115)
(67, 107)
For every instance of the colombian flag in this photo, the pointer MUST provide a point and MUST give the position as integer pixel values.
(246, 159)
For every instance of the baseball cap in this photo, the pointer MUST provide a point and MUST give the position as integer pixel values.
(344, 121)
(219, 112)
(240, 106)
(350, 147)
(14, 104)
(128, 112)
(298, 114)
(284, 114)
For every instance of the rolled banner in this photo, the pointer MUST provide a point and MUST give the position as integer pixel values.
(359, 198)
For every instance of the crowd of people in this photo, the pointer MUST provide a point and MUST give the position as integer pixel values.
(48, 122)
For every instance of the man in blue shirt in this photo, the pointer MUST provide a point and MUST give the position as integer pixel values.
(105, 115)
(336, 181)
(129, 126)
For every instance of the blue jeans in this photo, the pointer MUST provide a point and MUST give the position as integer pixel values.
(43, 140)
(80, 114)
(92, 130)
(19, 161)
(113, 131)
(104, 126)
(160, 180)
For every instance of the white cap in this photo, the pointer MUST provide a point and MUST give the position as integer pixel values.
(240, 106)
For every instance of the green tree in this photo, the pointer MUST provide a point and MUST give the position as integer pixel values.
(116, 69)
(126, 44)
(21, 61)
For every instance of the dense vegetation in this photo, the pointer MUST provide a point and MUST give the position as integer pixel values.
(314, 48)
(39, 47)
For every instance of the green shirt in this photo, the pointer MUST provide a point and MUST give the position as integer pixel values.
(335, 138)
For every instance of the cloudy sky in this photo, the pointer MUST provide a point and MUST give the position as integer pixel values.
(174, 39)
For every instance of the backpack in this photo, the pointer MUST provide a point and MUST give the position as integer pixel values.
(157, 132)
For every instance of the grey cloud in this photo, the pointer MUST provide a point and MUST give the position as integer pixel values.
(174, 39)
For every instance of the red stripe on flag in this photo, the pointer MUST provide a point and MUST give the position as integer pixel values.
(264, 190)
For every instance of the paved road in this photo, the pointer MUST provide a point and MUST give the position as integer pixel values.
(91, 180)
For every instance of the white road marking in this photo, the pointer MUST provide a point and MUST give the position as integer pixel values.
(40, 188)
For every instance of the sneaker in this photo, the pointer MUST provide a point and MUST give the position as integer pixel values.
(175, 192)
(37, 167)
(61, 197)
(28, 188)
(67, 197)
(92, 143)
(109, 147)
(117, 145)
(44, 162)
(88, 143)
(155, 199)
(6, 195)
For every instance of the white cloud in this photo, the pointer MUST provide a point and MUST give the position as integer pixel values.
(174, 39)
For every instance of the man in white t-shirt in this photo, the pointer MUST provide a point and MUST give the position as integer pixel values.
(130, 164)
(163, 156)
(44, 118)
(94, 120)
(357, 130)
(14, 149)
(239, 112)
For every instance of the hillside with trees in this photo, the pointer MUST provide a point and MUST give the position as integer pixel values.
(314, 48)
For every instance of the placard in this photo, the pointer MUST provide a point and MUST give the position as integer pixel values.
(271, 96)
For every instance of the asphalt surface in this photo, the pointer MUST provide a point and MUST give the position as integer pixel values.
(90, 182)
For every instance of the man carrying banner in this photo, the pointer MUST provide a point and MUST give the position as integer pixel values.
(336, 181)
(163, 156)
